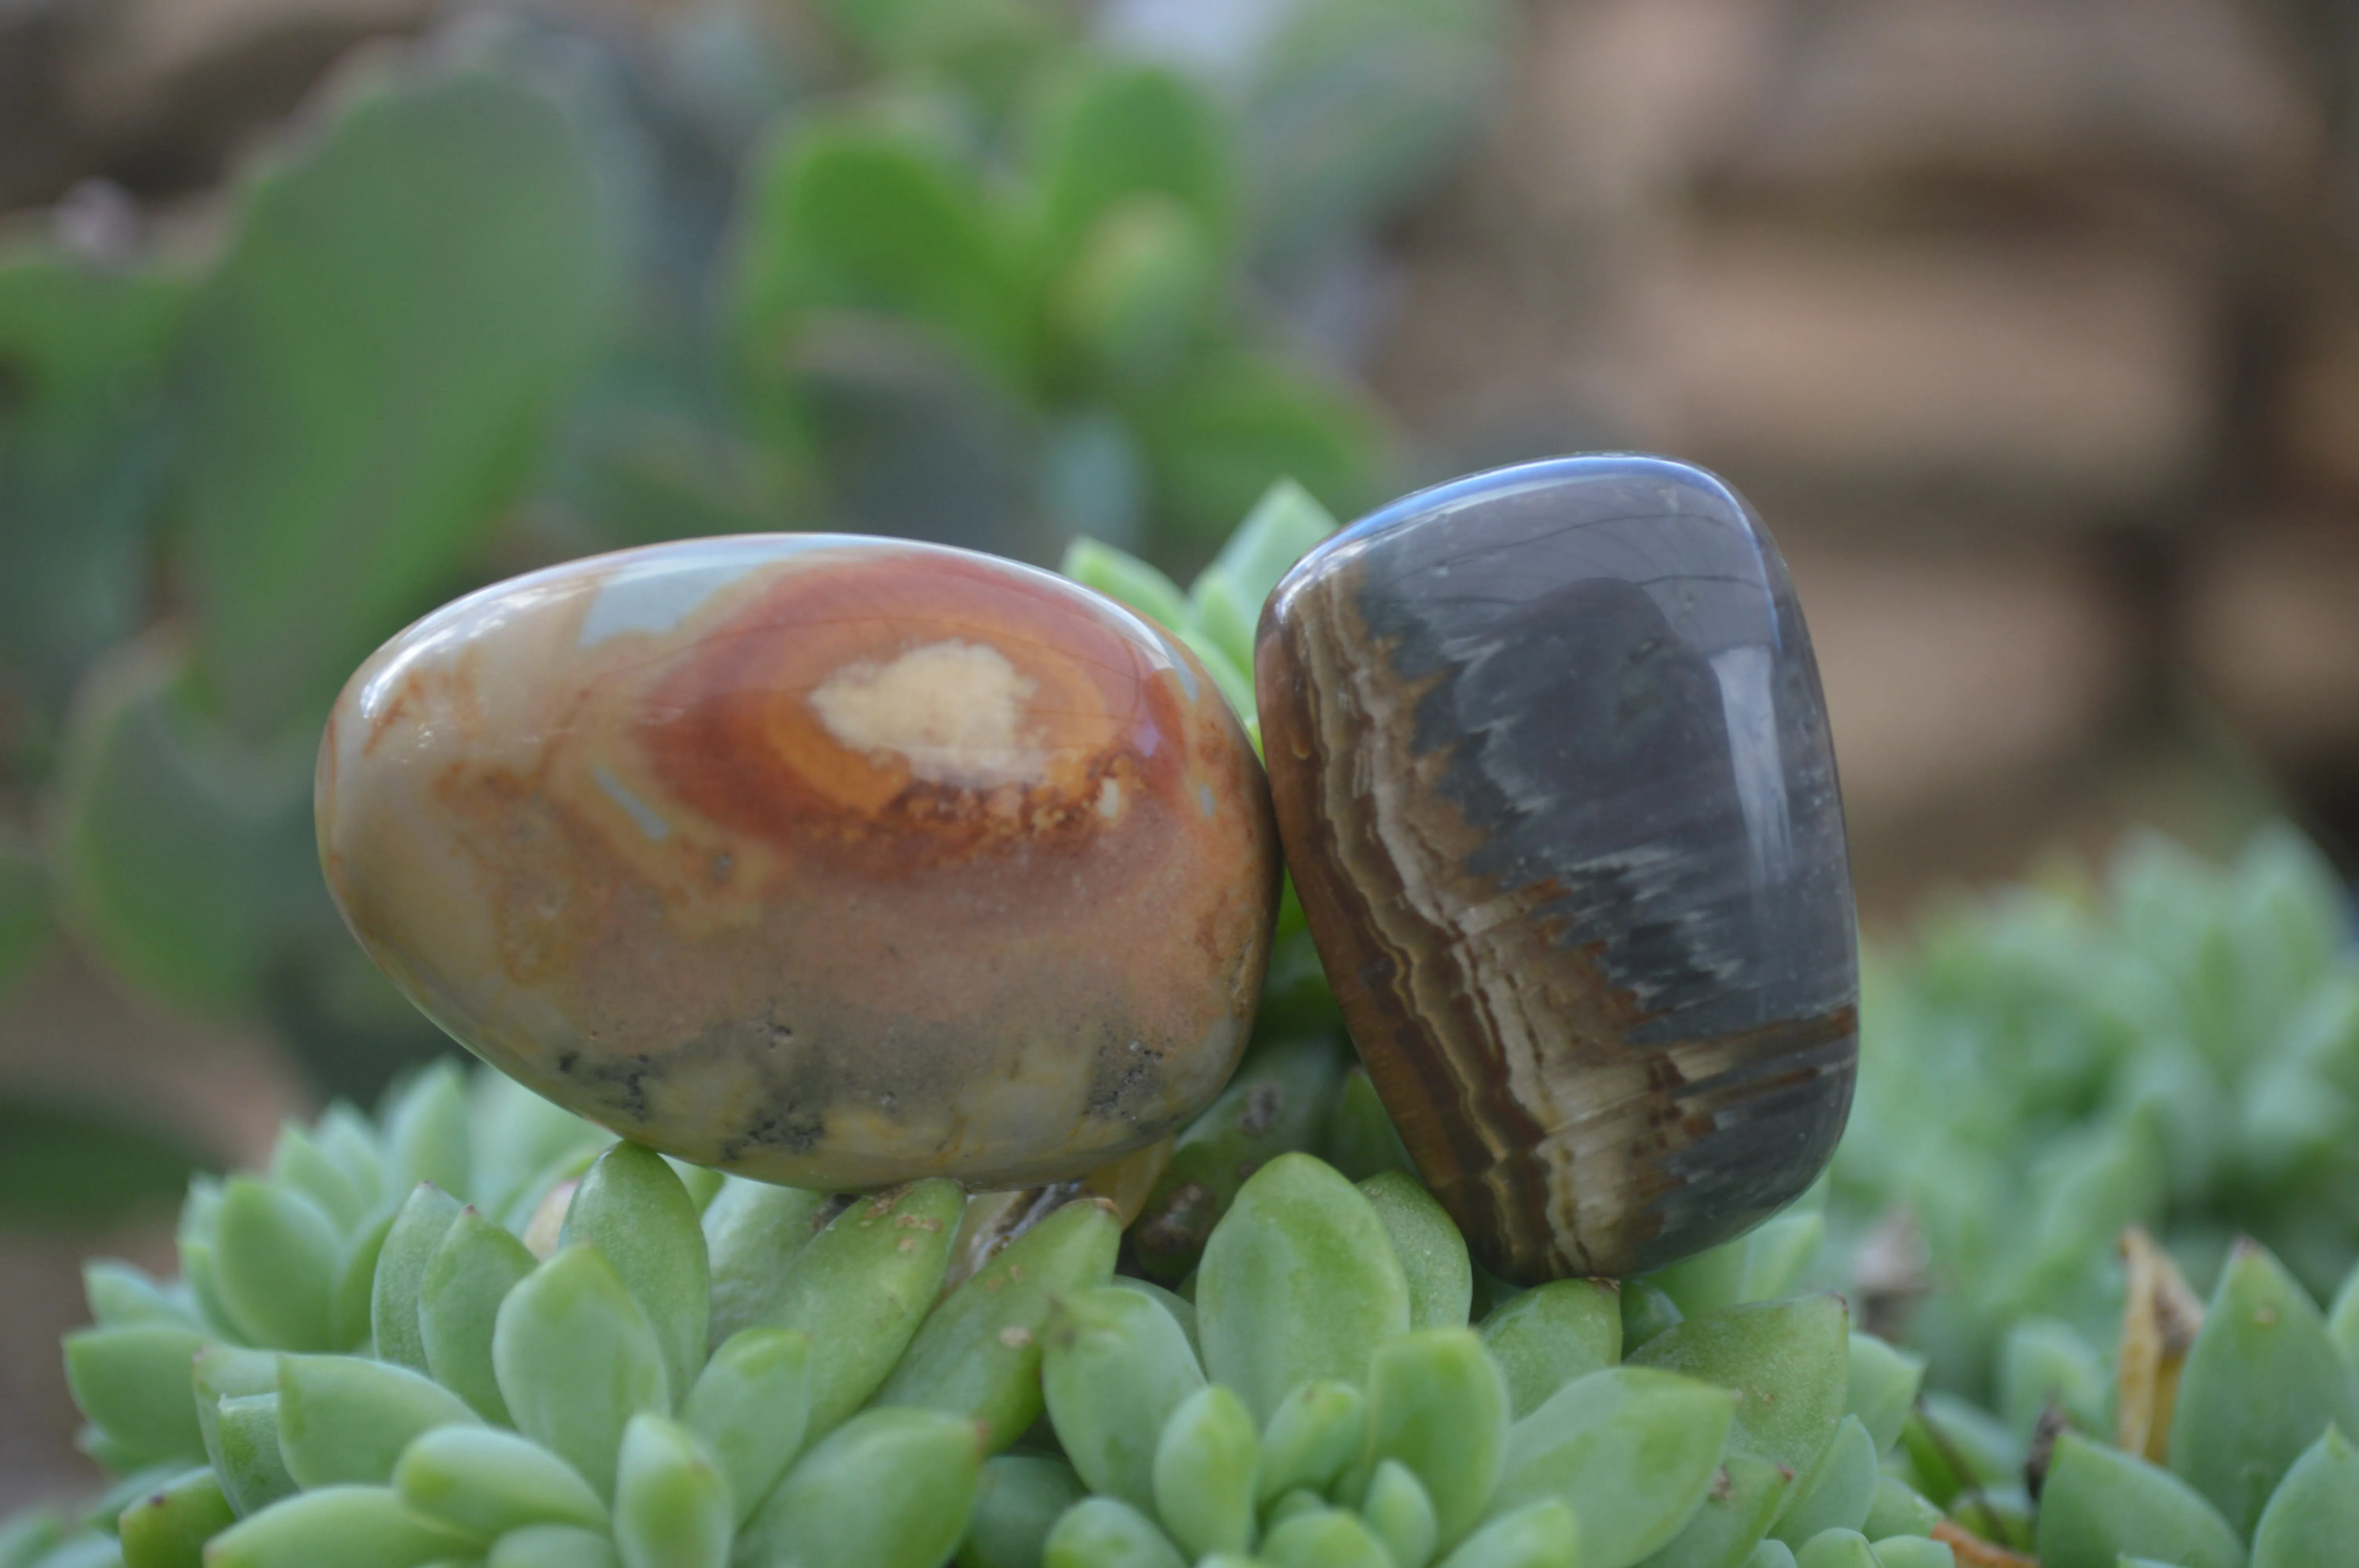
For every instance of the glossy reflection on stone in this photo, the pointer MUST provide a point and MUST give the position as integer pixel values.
(1552, 767)
(832, 861)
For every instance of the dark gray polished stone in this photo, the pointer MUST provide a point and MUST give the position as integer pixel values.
(1553, 773)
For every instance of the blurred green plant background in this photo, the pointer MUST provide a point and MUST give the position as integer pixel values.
(516, 293)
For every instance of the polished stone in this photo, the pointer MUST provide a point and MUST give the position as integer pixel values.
(1552, 771)
(832, 861)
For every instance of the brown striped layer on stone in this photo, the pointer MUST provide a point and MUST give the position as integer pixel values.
(1573, 1089)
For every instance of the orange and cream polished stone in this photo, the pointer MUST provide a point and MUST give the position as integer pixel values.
(834, 861)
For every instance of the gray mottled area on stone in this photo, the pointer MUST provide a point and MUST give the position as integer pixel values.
(1633, 716)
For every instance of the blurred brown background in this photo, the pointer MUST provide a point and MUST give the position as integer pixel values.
(2031, 326)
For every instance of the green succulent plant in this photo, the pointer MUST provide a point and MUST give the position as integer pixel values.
(618, 1362)
(603, 1362)
(2178, 1049)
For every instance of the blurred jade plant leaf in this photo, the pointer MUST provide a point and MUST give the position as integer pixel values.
(1215, 436)
(25, 924)
(1090, 274)
(986, 48)
(1108, 136)
(847, 216)
(1353, 107)
(70, 1165)
(82, 355)
(370, 373)
(185, 859)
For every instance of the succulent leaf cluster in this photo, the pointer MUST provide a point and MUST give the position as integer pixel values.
(604, 1363)
(2219, 1433)
(2178, 1049)
(608, 1359)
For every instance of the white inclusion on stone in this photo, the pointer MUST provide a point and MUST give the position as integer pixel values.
(1749, 709)
(953, 710)
(1110, 799)
(650, 823)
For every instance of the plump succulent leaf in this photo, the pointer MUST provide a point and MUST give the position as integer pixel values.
(1399, 1513)
(1439, 1406)
(485, 1482)
(1325, 1538)
(751, 1230)
(553, 1546)
(1018, 1500)
(576, 1360)
(1647, 1312)
(474, 1269)
(861, 1288)
(638, 1214)
(428, 1133)
(751, 1406)
(274, 1264)
(2100, 1503)
(2262, 1381)
(167, 1527)
(1116, 1366)
(889, 1489)
(474, 323)
(1107, 1532)
(245, 1453)
(1953, 1447)
(424, 1218)
(1433, 1259)
(1203, 1473)
(2314, 1512)
(1545, 1337)
(2343, 1321)
(1708, 1282)
(1898, 1509)
(1837, 1492)
(1316, 1433)
(672, 1502)
(1544, 1534)
(1785, 1360)
(1278, 1102)
(1836, 1548)
(133, 1383)
(1781, 1253)
(1631, 1449)
(1913, 1552)
(353, 1527)
(1744, 1500)
(1300, 1281)
(1881, 1384)
(344, 1420)
(978, 1354)
(1127, 579)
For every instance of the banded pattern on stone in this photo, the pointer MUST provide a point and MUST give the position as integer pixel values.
(1552, 771)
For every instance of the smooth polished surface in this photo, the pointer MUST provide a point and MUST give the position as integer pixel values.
(1552, 767)
(832, 861)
